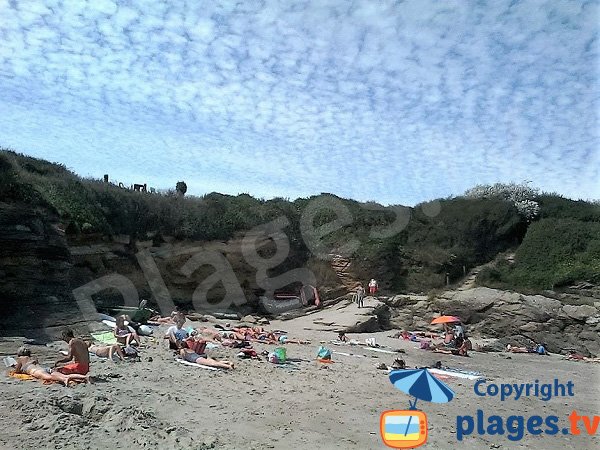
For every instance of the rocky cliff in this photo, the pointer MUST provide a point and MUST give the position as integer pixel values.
(509, 316)
(35, 263)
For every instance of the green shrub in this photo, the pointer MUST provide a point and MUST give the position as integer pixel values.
(559, 249)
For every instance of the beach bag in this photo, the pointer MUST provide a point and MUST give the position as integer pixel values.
(130, 351)
(145, 330)
(272, 358)
(280, 353)
(323, 353)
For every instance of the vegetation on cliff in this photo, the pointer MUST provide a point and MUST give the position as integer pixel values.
(414, 249)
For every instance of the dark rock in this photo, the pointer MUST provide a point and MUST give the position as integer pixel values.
(34, 256)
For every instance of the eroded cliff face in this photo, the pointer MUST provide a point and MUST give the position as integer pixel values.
(35, 264)
(41, 268)
(167, 273)
(228, 276)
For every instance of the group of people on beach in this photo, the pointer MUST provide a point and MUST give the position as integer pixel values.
(455, 342)
(359, 294)
(191, 344)
(188, 344)
(74, 366)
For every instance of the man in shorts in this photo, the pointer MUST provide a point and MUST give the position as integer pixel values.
(78, 353)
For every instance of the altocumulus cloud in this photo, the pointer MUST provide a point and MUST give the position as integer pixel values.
(390, 101)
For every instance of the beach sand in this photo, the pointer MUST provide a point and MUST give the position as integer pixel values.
(163, 404)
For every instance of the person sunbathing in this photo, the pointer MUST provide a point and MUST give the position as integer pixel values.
(166, 320)
(78, 353)
(186, 353)
(213, 333)
(161, 320)
(125, 335)
(106, 351)
(233, 335)
(30, 366)
(463, 350)
(540, 349)
(283, 339)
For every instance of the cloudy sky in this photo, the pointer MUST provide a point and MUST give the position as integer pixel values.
(393, 101)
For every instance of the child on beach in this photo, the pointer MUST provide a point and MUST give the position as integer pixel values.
(126, 335)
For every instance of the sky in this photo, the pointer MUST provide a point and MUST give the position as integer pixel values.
(390, 101)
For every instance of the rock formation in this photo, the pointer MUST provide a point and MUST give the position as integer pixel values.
(510, 316)
(35, 293)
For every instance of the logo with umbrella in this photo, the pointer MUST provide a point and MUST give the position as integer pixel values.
(408, 428)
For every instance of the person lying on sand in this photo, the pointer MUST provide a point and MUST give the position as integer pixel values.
(212, 333)
(125, 335)
(30, 366)
(263, 338)
(576, 356)
(283, 339)
(540, 349)
(106, 351)
(412, 336)
(167, 320)
(78, 353)
(201, 358)
(160, 319)
(458, 346)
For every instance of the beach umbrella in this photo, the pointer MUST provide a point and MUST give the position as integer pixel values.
(446, 319)
(422, 385)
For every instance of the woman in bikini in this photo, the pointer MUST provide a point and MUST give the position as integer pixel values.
(30, 366)
(125, 335)
(197, 355)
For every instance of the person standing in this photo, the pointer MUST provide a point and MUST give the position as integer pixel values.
(360, 295)
(373, 286)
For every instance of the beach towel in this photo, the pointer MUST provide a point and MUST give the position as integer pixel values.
(201, 366)
(106, 337)
(380, 350)
(26, 377)
(456, 374)
(349, 354)
(20, 376)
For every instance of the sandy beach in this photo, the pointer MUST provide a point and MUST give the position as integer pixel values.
(158, 403)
